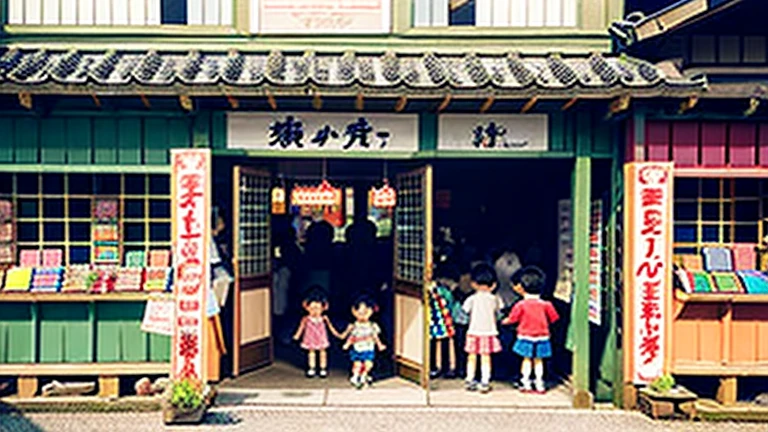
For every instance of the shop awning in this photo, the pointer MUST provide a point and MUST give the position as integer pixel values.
(239, 73)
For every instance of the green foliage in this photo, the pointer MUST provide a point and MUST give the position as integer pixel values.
(663, 384)
(186, 395)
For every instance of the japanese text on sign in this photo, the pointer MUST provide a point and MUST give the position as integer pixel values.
(649, 269)
(327, 132)
(191, 192)
(511, 132)
(308, 16)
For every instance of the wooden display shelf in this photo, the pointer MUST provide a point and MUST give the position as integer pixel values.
(719, 369)
(85, 369)
(720, 297)
(80, 297)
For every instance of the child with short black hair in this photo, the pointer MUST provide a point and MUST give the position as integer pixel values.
(314, 327)
(482, 336)
(534, 316)
(363, 337)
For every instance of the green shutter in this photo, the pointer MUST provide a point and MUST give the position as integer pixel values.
(79, 140)
(16, 338)
(26, 140)
(129, 141)
(105, 141)
(6, 144)
(52, 139)
(156, 141)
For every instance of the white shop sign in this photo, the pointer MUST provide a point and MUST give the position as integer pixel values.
(324, 16)
(291, 132)
(503, 132)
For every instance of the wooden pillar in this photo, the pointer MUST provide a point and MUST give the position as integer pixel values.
(26, 387)
(582, 397)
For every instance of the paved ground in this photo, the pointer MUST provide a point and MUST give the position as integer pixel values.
(381, 419)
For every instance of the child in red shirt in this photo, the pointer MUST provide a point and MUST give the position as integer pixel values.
(533, 316)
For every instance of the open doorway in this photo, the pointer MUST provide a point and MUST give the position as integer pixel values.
(285, 253)
(505, 213)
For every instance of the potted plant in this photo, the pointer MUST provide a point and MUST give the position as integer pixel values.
(664, 398)
(184, 403)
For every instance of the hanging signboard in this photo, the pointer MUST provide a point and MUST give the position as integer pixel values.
(324, 16)
(596, 263)
(191, 192)
(647, 268)
(383, 197)
(292, 132)
(158, 317)
(564, 284)
(321, 195)
(492, 132)
(278, 200)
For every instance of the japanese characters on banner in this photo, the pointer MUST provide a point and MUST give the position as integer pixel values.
(648, 242)
(596, 263)
(191, 186)
(291, 132)
(324, 16)
(502, 132)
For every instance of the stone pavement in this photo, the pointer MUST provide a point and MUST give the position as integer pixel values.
(370, 419)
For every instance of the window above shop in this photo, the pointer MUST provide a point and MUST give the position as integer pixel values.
(495, 13)
(727, 49)
(120, 12)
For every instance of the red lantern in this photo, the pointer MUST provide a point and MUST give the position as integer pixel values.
(384, 197)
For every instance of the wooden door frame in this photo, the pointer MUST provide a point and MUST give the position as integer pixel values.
(252, 282)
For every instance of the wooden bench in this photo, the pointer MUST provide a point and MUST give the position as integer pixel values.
(109, 374)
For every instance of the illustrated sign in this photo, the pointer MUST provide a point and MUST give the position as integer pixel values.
(158, 317)
(290, 132)
(503, 132)
(321, 195)
(648, 268)
(324, 16)
(596, 263)
(191, 190)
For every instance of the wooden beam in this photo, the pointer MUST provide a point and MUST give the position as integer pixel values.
(317, 101)
(359, 102)
(186, 102)
(145, 101)
(620, 104)
(754, 104)
(487, 104)
(96, 100)
(233, 102)
(528, 105)
(25, 99)
(444, 104)
(401, 103)
(271, 100)
(688, 104)
(568, 105)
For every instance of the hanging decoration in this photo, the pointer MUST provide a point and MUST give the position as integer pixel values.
(278, 200)
(383, 197)
(322, 195)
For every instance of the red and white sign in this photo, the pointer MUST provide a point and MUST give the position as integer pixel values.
(648, 268)
(158, 317)
(384, 197)
(324, 16)
(322, 195)
(191, 187)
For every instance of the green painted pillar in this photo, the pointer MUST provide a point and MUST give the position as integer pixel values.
(581, 192)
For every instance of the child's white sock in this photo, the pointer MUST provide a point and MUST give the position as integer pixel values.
(471, 366)
(538, 368)
(485, 372)
(526, 372)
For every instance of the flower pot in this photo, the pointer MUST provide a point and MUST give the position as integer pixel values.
(173, 415)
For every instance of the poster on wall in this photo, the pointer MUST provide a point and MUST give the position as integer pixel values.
(564, 284)
(493, 132)
(324, 16)
(191, 191)
(596, 263)
(295, 132)
(158, 317)
(647, 268)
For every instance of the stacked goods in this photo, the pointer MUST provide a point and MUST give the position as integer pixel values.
(157, 279)
(135, 259)
(46, 279)
(78, 278)
(722, 270)
(18, 279)
(129, 279)
(106, 235)
(6, 233)
(104, 281)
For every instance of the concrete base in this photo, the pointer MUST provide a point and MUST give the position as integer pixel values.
(583, 399)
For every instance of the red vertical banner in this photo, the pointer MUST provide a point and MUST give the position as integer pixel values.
(191, 213)
(647, 270)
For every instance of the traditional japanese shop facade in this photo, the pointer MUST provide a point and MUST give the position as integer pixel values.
(704, 225)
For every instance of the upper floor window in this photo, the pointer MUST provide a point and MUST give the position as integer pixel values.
(495, 13)
(728, 49)
(120, 12)
(320, 16)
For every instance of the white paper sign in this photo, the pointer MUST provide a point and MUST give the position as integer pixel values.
(491, 132)
(648, 268)
(325, 16)
(291, 132)
(158, 317)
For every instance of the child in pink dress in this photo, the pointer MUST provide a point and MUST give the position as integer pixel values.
(314, 328)
(482, 335)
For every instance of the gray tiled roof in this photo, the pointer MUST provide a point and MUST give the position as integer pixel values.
(244, 72)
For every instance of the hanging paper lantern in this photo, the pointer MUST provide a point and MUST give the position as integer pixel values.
(384, 197)
(278, 200)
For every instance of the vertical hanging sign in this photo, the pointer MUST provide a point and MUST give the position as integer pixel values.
(647, 269)
(596, 263)
(191, 189)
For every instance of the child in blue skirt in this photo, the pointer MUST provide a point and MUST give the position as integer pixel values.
(533, 316)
